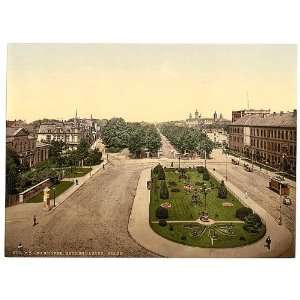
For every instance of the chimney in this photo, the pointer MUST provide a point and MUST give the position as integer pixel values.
(274, 114)
(295, 113)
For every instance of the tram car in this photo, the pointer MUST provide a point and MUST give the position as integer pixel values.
(278, 183)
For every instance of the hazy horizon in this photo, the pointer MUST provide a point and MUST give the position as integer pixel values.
(147, 82)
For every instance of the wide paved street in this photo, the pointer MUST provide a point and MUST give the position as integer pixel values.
(94, 218)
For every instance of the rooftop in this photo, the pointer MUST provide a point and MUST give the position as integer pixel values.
(273, 120)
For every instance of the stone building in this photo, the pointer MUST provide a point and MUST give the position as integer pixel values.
(67, 132)
(271, 139)
(29, 151)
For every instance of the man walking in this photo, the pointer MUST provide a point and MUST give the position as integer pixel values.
(268, 243)
(34, 220)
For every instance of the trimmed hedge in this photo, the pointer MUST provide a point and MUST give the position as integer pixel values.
(222, 191)
(164, 192)
(243, 212)
(162, 213)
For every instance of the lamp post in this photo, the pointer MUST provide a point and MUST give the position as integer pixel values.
(54, 196)
(280, 216)
(179, 162)
(226, 166)
(252, 152)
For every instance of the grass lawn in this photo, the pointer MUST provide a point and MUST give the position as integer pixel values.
(184, 210)
(59, 188)
(77, 172)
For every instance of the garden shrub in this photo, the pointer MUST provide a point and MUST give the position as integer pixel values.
(159, 172)
(205, 175)
(162, 223)
(198, 183)
(172, 183)
(222, 191)
(175, 190)
(171, 228)
(242, 238)
(243, 212)
(164, 192)
(183, 237)
(200, 169)
(162, 213)
(253, 223)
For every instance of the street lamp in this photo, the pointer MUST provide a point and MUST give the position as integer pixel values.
(226, 166)
(280, 216)
(54, 196)
(179, 161)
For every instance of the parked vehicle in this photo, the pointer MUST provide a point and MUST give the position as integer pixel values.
(287, 201)
(247, 168)
(279, 185)
(235, 162)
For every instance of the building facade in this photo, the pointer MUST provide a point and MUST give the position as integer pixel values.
(270, 139)
(66, 132)
(29, 151)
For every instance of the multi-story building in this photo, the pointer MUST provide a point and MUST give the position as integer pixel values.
(270, 139)
(236, 114)
(29, 151)
(67, 132)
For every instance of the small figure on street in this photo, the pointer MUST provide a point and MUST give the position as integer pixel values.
(246, 195)
(34, 220)
(171, 164)
(268, 242)
(20, 247)
(76, 181)
(103, 166)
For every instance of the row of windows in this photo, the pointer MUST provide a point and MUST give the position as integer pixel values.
(274, 133)
(21, 146)
(272, 146)
(61, 138)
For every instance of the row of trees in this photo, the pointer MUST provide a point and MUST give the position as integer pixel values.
(187, 140)
(118, 134)
(60, 156)
(18, 178)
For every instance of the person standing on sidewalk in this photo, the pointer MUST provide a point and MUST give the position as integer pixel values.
(34, 220)
(268, 243)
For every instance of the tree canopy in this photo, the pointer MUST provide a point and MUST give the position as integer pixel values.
(118, 134)
(186, 139)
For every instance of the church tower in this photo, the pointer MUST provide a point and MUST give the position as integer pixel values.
(215, 116)
(196, 114)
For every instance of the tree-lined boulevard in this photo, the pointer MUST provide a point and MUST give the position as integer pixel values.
(95, 217)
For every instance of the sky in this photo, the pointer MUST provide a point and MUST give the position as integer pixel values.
(147, 82)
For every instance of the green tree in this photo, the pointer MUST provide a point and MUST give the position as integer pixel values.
(13, 169)
(222, 191)
(205, 174)
(164, 192)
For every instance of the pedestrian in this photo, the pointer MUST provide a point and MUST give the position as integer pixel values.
(246, 195)
(103, 166)
(20, 247)
(171, 164)
(76, 181)
(268, 242)
(34, 220)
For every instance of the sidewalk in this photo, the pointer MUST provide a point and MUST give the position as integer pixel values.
(143, 234)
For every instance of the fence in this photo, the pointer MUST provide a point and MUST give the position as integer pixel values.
(34, 190)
